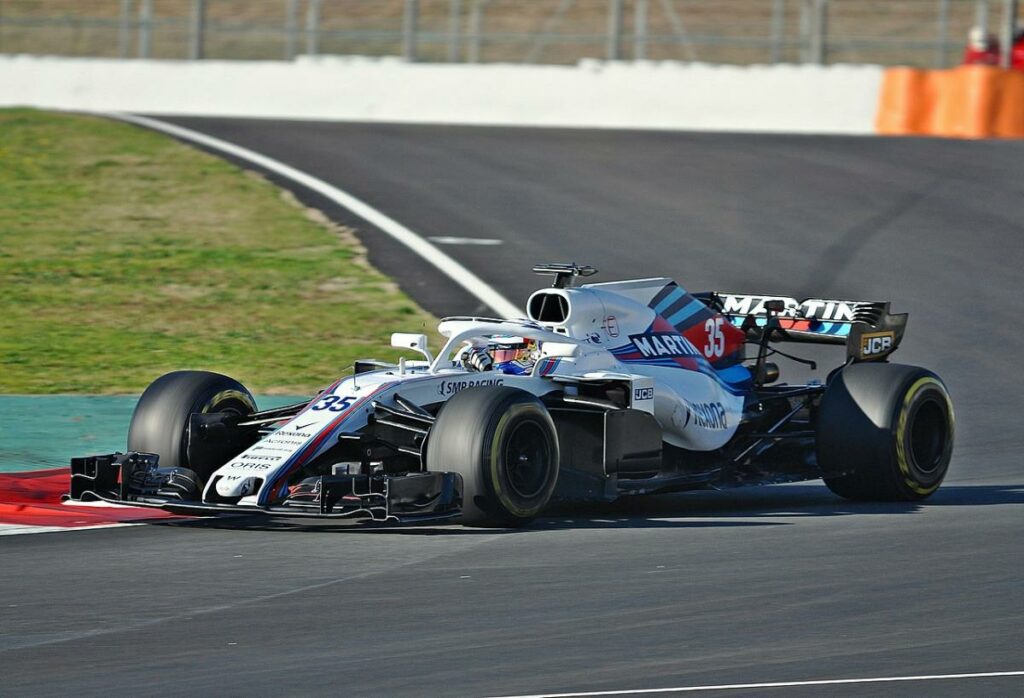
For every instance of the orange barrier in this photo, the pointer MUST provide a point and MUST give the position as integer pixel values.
(972, 101)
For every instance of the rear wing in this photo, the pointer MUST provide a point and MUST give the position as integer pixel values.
(867, 328)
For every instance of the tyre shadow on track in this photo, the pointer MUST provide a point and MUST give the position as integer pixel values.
(718, 509)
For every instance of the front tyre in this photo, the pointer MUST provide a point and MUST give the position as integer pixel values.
(160, 421)
(885, 432)
(503, 443)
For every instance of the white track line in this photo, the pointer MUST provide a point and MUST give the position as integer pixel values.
(415, 242)
(449, 240)
(780, 684)
(21, 530)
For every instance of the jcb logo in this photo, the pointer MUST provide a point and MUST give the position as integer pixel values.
(643, 393)
(877, 343)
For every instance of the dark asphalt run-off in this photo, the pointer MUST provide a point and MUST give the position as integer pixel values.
(785, 583)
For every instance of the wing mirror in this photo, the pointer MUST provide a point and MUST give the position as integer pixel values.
(416, 342)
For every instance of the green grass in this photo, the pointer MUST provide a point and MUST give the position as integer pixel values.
(125, 254)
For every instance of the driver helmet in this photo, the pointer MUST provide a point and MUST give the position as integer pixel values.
(513, 354)
(977, 38)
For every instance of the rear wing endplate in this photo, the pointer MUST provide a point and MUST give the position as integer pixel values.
(867, 328)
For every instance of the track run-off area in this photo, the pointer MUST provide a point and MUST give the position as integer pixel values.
(783, 590)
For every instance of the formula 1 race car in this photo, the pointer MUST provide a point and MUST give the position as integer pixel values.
(603, 390)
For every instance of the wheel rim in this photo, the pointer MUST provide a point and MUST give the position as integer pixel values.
(527, 460)
(928, 436)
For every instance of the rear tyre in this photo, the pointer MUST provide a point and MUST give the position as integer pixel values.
(503, 443)
(160, 422)
(885, 432)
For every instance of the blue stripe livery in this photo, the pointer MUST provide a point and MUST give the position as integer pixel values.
(687, 311)
(668, 300)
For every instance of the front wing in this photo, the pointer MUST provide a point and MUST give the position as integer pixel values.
(135, 479)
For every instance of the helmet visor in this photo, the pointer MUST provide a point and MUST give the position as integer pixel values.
(510, 354)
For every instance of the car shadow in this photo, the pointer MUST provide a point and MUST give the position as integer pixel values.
(265, 524)
(704, 509)
(785, 501)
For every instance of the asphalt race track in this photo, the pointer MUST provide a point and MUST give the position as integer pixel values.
(776, 584)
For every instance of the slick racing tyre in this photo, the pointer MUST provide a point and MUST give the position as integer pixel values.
(503, 443)
(160, 422)
(885, 432)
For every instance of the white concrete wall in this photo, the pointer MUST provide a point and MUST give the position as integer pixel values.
(804, 99)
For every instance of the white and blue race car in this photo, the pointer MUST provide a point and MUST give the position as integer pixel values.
(602, 390)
